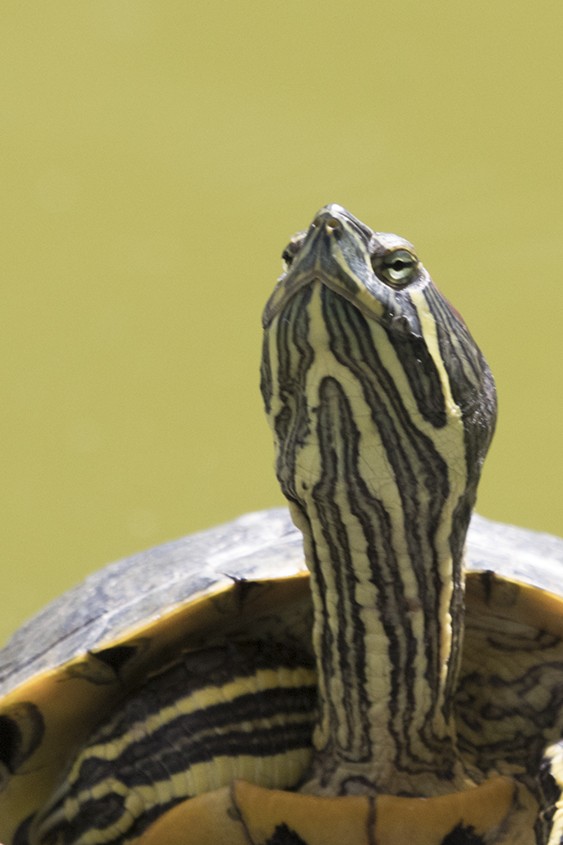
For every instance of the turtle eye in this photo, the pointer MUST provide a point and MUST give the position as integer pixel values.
(399, 267)
(292, 249)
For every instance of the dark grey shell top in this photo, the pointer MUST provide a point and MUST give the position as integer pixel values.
(257, 546)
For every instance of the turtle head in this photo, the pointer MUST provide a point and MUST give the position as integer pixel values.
(357, 309)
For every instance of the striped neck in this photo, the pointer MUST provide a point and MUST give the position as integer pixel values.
(387, 648)
(387, 635)
(380, 432)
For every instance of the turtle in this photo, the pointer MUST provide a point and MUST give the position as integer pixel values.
(376, 665)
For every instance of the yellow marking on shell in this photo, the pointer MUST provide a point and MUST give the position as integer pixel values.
(61, 706)
(489, 594)
(247, 814)
(209, 819)
(71, 705)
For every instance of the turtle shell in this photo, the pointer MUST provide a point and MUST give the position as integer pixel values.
(79, 657)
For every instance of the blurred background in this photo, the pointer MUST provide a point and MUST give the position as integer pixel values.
(156, 157)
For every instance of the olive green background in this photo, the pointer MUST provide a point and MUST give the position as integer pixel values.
(156, 158)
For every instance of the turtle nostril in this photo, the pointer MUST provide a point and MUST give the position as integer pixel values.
(332, 224)
(326, 222)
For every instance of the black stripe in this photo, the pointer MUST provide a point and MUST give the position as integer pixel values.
(458, 350)
(416, 465)
(473, 390)
(194, 737)
(193, 671)
(471, 383)
(295, 357)
(185, 741)
(173, 750)
(266, 374)
(336, 430)
(96, 814)
(369, 542)
(406, 336)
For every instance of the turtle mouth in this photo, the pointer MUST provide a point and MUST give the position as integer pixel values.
(333, 251)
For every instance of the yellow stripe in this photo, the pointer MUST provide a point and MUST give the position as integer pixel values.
(278, 771)
(197, 701)
(451, 446)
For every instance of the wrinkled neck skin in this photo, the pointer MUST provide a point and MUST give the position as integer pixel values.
(388, 618)
(377, 483)
(387, 659)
